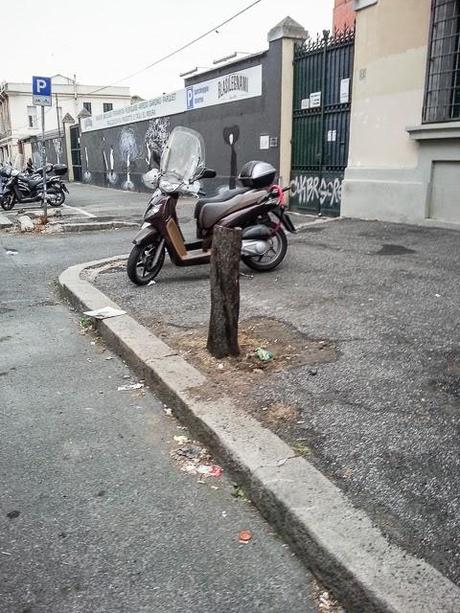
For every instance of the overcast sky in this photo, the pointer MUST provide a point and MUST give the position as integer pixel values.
(102, 41)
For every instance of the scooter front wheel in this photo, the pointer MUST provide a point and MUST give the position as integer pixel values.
(144, 262)
(8, 201)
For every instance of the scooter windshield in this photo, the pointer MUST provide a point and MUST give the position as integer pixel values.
(183, 158)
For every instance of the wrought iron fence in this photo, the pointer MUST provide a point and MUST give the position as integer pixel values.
(321, 120)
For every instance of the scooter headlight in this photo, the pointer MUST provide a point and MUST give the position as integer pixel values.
(168, 186)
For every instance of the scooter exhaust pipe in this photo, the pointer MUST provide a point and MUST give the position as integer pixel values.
(255, 248)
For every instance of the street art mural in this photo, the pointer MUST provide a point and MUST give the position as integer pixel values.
(129, 151)
(155, 139)
(121, 155)
(55, 151)
(86, 172)
(231, 136)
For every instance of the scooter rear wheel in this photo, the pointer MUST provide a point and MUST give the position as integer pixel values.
(55, 197)
(140, 267)
(273, 257)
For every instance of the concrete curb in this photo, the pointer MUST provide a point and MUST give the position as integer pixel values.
(337, 541)
(5, 222)
(97, 225)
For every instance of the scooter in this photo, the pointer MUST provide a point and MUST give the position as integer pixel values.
(25, 188)
(257, 207)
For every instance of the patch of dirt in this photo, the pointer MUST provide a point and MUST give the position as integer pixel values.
(241, 377)
(280, 413)
(287, 345)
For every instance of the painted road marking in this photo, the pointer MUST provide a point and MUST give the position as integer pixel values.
(82, 211)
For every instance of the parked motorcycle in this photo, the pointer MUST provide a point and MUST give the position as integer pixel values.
(257, 207)
(5, 173)
(24, 187)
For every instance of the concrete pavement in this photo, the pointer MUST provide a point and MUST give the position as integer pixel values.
(95, 515)
(382, 420)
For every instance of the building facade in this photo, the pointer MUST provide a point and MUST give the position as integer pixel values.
(242, 109)
(404, 156)
(344, 14)
(20, 119)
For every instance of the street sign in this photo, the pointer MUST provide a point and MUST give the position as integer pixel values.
(41, 91)
(41, 94)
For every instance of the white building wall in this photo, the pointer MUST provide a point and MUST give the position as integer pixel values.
(383, 178)
(20, 97)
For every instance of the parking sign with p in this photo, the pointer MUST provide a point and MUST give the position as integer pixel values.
(190, 97)
(41, 91)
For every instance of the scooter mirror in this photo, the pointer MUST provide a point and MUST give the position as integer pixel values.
(208, 173)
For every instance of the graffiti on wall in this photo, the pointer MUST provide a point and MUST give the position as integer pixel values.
(312, 192)
(55, 151)
(126, 154)
(86, 173)
(155, 139)
(129, 152)
(57, 144)
(231, 135)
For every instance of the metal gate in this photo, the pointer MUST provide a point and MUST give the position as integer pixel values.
(321, 121)
(75, 151)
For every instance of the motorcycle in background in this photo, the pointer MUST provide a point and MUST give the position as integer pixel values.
(24, 187)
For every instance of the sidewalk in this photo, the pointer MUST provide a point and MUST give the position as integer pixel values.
(380, 418)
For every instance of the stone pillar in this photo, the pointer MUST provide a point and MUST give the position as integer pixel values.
(288, 32)
(67, 121)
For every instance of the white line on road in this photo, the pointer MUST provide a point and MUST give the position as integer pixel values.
(75, 208)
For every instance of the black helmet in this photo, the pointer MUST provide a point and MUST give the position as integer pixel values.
(257, 174)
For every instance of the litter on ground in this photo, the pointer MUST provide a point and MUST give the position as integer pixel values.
(132, 386)
(263, 354)
(104, 313)
(181, 439)
(244, 536)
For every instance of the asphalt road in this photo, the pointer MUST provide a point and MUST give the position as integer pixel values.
(106, 204)
(383, 420)
(95, 515)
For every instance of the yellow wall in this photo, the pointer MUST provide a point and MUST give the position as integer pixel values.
(389, 77)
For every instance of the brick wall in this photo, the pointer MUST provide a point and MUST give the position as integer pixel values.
(344, 14)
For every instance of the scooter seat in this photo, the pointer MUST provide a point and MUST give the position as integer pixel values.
(33, 182)
(222, 196)
(212, 212)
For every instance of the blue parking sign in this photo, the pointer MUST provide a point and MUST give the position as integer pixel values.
(190, 97)
(41, 91)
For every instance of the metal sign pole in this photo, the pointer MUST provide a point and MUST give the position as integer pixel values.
(45, 201)
(41, 95)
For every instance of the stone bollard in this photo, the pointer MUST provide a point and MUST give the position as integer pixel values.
(25, 223)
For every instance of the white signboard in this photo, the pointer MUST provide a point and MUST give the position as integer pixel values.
(227, 88)
(344, 91)
(305, 104)
(167, 104)
(315, 100)
(331, 136)
(264, 142)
